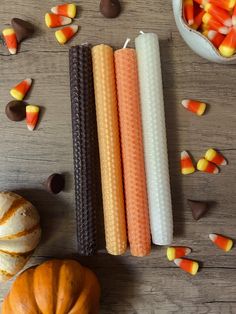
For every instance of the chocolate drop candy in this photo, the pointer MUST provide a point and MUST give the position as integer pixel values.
(55, 183)
(22, 28)
(16, 110)
(110, 8)
(198, 208)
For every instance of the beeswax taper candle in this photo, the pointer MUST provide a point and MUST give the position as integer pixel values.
(154, 132)
(132, 152)
(86, 156)
(109, 149)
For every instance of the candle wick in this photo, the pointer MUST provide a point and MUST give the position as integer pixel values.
(126, 42)
(141, 32)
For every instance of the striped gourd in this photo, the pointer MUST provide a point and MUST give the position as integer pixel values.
(19, 233)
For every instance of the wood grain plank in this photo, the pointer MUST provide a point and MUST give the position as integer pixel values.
(151, 285)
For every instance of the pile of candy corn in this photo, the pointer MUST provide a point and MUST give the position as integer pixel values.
(62, 15)
(215, 19)
(32, 112)
(209, 163)
(177, 254)
(212, 159)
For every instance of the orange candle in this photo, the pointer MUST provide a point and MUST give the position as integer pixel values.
(132, 152)
(109, 149)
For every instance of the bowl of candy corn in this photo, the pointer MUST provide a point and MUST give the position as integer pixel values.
(208, 27)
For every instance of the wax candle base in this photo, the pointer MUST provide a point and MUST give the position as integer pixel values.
(154, 135)
(85, 143)
(109, 149)
(132, 152)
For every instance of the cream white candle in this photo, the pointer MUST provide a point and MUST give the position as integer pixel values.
(154, 136)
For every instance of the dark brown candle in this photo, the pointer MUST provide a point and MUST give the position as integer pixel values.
(85, 143)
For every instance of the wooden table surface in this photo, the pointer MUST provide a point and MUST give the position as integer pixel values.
(150, 285)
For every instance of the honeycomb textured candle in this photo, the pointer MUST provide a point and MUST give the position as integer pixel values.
(109, 149)
(154, 132)
(86, 156)
(132, 152)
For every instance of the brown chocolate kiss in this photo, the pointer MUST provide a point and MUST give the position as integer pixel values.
(198, 208)
(22, 28)
(55, 183)
(16, 110)
(110, 8)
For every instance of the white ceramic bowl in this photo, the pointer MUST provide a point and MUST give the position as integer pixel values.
(195, 40)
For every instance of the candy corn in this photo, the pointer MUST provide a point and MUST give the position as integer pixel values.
(198, 20)
(9, 36)
(234, 16)
(188, 11)
(53, 20)
(206, 166)
(215, 157)
(174, 252)
(215, 37)
(228, 45)
(187, 166)
(222, 242)
(32, 115)
(214, 24)
(67, 9)
(194, 106)
(216, 20)
(187, 265)
(224, 4)
(66, 33)
(219, 14)
(20, 90)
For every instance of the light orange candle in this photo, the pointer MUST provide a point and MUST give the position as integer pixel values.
(132, 152)
(109, 149)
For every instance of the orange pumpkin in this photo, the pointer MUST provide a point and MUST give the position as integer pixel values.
(54, 287)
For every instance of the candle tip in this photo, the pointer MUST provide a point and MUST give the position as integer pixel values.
(126, 42)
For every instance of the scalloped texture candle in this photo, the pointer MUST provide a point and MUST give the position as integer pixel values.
(85, 144)
(109, 149)
(132, 152)
(154, 133)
